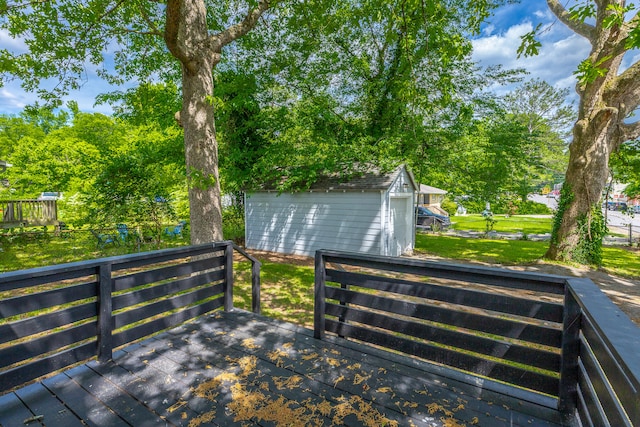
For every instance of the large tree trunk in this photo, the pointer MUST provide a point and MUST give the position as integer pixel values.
(188, 39)
(584, 181)
(201, 154)
(607, 97)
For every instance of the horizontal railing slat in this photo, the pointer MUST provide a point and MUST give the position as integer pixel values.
(147, 294)
(138, 260)
(464, 341)
(41, 276)
(150, 276)
(535, 309)
(472, 274)
(33, 325)
(589, 408)
(604, 394)
(164, 305)
(507, 328)
(48, 343)
(24, 373)
(46, 299)
(526, 379)
(615, 376)
(162, 323)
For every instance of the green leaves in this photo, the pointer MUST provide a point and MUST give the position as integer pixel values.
(583, 11)
(588, 71)
(529, 45)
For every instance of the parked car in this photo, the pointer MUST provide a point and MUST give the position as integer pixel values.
(427, 218)
(617, 206)
(50, 195)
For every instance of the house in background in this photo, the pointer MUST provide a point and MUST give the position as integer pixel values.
(372, 213)
(432, 197)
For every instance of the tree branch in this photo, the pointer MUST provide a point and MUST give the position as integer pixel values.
(152, 25)
(220, 40)
(630, 131)
(625, 89)
(171, 30)
(585, 30)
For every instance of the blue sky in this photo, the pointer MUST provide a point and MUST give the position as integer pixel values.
(561, 52)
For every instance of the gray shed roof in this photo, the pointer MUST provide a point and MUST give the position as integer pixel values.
(371, 180)
(426, 189)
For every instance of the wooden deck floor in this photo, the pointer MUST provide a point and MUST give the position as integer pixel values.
(242, 369)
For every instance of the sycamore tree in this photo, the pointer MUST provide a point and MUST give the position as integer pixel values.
(609, 96)
(145, 40)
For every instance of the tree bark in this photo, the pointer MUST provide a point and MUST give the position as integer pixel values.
(605, 102)
(188, 39)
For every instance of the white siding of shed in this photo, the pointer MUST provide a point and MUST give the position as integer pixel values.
(302, 223)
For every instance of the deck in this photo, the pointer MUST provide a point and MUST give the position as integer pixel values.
(154, 339)
(238, 368)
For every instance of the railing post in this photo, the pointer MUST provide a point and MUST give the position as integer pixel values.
(255, 287)
(105, 319)
(570, 352)
(228, 281)
(319, 297)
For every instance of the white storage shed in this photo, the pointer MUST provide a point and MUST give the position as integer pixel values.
(373, 213)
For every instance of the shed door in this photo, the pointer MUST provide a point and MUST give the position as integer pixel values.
(399, 216)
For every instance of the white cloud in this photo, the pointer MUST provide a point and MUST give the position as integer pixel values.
(559, 56)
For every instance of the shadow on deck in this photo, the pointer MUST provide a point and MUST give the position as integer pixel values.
(564, 355)
(241, 368)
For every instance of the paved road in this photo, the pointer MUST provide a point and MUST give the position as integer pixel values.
(614, 218)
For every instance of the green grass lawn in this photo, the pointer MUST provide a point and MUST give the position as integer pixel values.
(617, 260)
(517, 223)
(19, 252)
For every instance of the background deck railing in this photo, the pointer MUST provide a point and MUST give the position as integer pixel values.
(16, 213)
(53, 317)
(554, 341)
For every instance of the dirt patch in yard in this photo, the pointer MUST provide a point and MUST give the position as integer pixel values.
(624, 292)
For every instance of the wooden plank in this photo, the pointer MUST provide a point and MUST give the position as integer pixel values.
(591, 412)
(126, 262)
(319, 297)
(150, 276)
(152, 389)
(499, 371)
(121, 403)
(473, 274)
(491, 347)
(40, 367)
(48, 343)
(86, 406)
(45, 322)
(13, 412)
(42, 403)
(533, 308)
(42, 275)
(509, 328)
(266, 378)
(46, 299)
(160, 306)
(609, 402)
(540, 407)
(165, 289)
(611, 367)
(165, 322)
(152, 365)
(269, 338)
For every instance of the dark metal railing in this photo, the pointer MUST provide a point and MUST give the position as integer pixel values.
(557, 343)
(53, 317)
